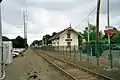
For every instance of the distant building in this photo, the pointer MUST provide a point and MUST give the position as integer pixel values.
(66, 37)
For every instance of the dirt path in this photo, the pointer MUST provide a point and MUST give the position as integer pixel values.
(31, 66)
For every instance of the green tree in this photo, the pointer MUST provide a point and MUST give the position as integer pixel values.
(92, 32)
(92, 38)
(54, 33)
(35, 42)
(38, 42)
(46, 39)
(80, 38)
(116, 38)
(19, 42)
(4, 38)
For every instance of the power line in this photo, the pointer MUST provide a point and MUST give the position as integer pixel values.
(86, 17)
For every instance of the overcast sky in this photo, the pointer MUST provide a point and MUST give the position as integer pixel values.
(48, 16)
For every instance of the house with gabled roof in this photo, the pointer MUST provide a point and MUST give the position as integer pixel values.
(66, 37)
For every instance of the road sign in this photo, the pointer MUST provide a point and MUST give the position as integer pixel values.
(83, 41)
(109, 31)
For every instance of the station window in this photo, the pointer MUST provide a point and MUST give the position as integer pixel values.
(68, 35)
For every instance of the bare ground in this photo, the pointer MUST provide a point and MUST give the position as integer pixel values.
(31, 67)
(114, 74)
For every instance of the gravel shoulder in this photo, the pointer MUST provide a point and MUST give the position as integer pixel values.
(114, 74)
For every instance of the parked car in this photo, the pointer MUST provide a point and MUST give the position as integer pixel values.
(116, 48)
(20, 50)
(15, 54)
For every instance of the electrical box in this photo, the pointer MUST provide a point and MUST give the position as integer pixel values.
(7, 52)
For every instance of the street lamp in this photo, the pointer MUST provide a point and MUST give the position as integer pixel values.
(1, 53)
(2, 72)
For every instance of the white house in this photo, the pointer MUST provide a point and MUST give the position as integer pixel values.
(67, 37)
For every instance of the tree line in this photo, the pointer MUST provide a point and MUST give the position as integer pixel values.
(103, 37)
(18, 42)
(45, 40)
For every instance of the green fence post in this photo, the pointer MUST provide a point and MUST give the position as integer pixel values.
(80, 51)
(110, 59)
(54, 48)
(77, 53)
(97, 55)
(74, 51)
(98, 63)
(88, 52)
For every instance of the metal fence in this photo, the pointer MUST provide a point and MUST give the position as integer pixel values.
(97, 54)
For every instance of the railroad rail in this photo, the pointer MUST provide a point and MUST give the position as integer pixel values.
(71, 70)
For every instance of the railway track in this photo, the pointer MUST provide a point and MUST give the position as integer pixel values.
(71, 70)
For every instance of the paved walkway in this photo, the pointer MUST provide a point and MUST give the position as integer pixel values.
(16, 70)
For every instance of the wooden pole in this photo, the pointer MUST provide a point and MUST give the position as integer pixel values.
(97, 30)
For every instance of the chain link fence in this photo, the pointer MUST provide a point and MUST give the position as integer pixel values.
(97, 54)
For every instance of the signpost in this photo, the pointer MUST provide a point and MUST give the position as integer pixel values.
(109, 32)
(108, 11)
(84, 43)
(1, 53)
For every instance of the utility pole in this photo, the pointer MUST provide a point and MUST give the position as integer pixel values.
(88, 32)
(2, 72)
(25, 24)
(1, 50)
(24, 16)
(97, 25)
(88, 41)
(108, 19)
